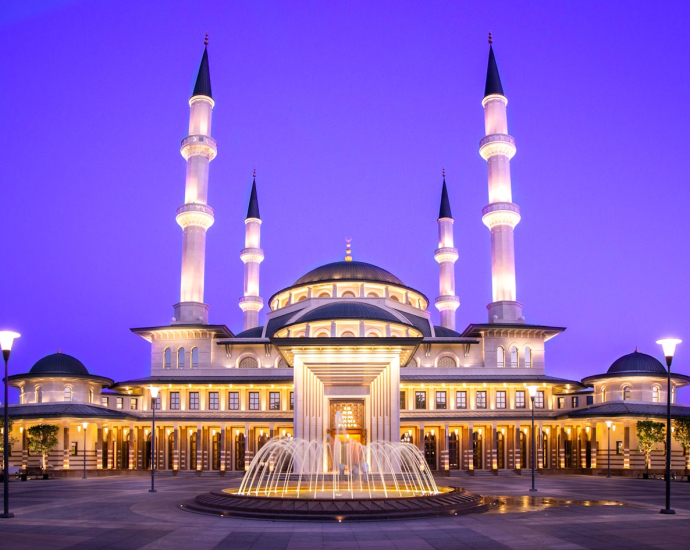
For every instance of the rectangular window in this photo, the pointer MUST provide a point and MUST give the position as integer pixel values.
(619, 447)
(274, 401)
(253, 400)
(420, 400)
(73, 448)
(520, 399)
(156, 403)
(193, 400)
(590, 400)
(561, 402)
(500, 400)
(174, 400)
(539, 400)
(440, 400)
(481, 399)
(292, 400)
(118, 403)
(460, 399)
(576, 402)
(133, 403)
(104, 401)
(403, 403)
(233, 401)
(213, 401)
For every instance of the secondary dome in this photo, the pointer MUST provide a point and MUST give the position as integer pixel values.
(348, 310)
(637, 362)
(59, 363)
(348, 271)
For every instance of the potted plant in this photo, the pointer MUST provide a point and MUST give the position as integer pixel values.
(42, 439)
(12, 441)
(649, 433)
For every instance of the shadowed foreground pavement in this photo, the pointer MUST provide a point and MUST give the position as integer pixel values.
(119, 513)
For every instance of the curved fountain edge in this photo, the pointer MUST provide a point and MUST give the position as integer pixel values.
(455, 502)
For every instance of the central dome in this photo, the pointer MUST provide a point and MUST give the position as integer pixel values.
(348, 271)
(637, 362)
(59, 363)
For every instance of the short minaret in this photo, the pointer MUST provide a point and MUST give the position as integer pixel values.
(446, 256)
(195, 216)
(252, 256)
(500, 215)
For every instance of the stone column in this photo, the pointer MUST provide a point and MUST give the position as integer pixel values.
(248, 452)
(131, 438)
(65, 448)
(470, 448)
(494, 449)
(626, 446)
(540, 446)
(518, 449)
(199, 449)
(99, 446)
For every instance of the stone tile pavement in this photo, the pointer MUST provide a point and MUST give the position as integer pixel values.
(119, 513)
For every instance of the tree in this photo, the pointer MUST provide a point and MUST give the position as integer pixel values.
(682, 433)
(41, 439)
(12, 440)
(649, 433)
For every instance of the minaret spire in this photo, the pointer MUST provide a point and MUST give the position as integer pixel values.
(195, 216)
(252, 256)
(500, 215)
(446, 255)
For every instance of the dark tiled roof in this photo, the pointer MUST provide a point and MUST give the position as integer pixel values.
(414, 375)
(444, 211)
(45, 410)
(493, 80)
(443, 332)
(59, 363)
(631, 409)
(229, 416)
(420, 323)
(251, 333)
(474, 414)
(637, 362)
(348, 310)
(348, 271)
(253, 210)
(203, 78)
(276, 323)
(264, 377)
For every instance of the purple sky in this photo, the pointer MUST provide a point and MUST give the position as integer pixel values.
(348, 110)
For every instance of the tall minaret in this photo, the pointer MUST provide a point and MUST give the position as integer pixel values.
(500, 215)
(252, 256)
(195, 216)
(446, 256)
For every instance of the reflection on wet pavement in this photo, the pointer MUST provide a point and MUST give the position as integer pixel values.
(514, 504)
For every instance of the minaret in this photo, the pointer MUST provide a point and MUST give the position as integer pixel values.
(195, 216)
(500, 215)
(252, 256)
(446, 256)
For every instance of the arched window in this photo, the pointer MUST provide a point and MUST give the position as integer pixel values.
(180, 358)
(282, 364)
(324, 295)
(21, 395)
(302, 298)
(528, 358)
(249, 363)
(372, 334)
(514, 357)
(39, 394)
(68, 393)
(167, 358)
(673, 394)
(626, 393)
(195, 358)
(395, 298)
(348, 294)
(347, 334)
(447, 362)
(323, 334)
(91, 395)
(603, 394)
(655, 394)
(500, 357)
(373, 295)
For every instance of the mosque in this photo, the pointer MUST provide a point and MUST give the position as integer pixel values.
(353, 338)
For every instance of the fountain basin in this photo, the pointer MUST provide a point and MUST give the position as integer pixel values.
(447, 502)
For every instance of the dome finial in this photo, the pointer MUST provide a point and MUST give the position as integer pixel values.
(348, 250)
(59, 350)
(206, 39)
(491, 40)
(443, 171)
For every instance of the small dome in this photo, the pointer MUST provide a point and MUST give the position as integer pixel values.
(637, 362)
(348, 271)
(348, 310)
(255, 332)
(59, 363)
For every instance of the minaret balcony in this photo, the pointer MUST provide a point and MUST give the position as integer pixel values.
(497, 144)
(197, 215)
(447, 303)
(446, 254)
(251, 303)
(255, 255)
(501, 213)
(199, 145)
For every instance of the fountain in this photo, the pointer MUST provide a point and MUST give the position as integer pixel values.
(339, 478)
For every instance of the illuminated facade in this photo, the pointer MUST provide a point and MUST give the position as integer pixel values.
(347, 337)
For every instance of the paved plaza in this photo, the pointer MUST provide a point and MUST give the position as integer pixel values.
(119, 513)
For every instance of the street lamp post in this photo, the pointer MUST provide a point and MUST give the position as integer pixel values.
(7, 338)
(669, 347)
(154, 396)
(532, 394)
